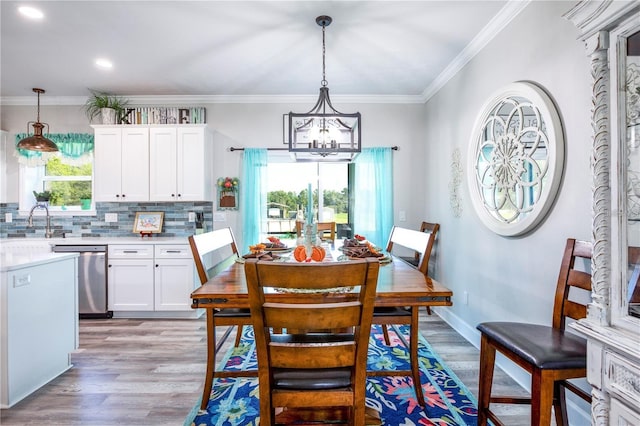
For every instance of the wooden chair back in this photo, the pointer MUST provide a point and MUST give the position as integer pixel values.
(322, 228)
(295, 369)
(573, 279)
(415, 241)
(212, 252)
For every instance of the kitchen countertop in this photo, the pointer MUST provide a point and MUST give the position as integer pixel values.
(92, 241)
(13, 260)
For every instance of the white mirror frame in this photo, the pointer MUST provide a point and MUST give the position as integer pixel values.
(515, 157)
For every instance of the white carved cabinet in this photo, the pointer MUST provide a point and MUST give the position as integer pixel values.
(611, 32)
(121, 163)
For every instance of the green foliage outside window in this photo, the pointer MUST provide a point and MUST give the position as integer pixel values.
(337, 200)
(68, 193)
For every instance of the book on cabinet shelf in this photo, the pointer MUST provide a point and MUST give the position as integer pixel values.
(166, 115)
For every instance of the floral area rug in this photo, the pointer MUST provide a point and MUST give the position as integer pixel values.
(234, 402)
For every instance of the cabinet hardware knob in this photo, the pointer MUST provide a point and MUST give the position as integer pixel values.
(157, 265)
(117, 195)
(123, 195)
(109, 266)
(173, 195)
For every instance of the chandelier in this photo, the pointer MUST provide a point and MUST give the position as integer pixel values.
(37, 142)
(323, 133)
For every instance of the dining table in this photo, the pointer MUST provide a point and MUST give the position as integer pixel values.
(400, 284)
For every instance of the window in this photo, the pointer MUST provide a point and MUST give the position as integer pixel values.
(70, 186)
(287, 189)
(66, 175)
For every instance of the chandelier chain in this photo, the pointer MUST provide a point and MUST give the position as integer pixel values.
(324, 78)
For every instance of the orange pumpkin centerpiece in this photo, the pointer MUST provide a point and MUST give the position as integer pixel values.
(317, 254)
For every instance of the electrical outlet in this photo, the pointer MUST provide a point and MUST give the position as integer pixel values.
(465, 298)
(219, 217)
(8, 217)
(192, 216)
(402, 215)
(111, 217)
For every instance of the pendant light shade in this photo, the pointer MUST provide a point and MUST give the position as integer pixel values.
(37, 142)
(324, 133)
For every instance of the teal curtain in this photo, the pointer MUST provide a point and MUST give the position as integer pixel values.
(253, 196)
(74, 148)
(373, 200)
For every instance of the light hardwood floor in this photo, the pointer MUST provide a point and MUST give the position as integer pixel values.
(149, 372)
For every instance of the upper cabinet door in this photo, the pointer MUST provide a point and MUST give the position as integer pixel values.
(162, 166)
(135, 164)
(193, 164)
(107, 165)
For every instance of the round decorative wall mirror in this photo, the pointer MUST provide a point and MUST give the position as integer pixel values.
(516, 158)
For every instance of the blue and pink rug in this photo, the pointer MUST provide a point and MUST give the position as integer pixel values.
(234, 402)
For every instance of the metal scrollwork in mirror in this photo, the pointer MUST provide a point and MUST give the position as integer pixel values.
(516, 158)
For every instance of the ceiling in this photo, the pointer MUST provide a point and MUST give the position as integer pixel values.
(241, 49)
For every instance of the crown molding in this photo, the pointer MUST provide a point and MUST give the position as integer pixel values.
(181, 100)
(493, 28)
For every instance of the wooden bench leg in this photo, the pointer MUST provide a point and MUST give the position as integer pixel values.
(413, 356)
(211, 359)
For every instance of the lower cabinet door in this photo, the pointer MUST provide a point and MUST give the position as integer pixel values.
(130, 285)
(173, 284)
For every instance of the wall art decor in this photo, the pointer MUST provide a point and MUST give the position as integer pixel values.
(516, 158)
(148, 223)
(228, 190)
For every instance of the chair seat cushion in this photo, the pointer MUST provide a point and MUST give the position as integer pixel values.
(232, 312)
(391, 311)
(540, 345)
(312, 379)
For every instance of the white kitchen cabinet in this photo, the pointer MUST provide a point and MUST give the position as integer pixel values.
(151, 280)
(121, 163)
(130, 278)
(180, 163)
(174, 278)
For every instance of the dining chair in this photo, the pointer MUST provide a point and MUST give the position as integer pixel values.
(213, 252)
(322, 228)
(549, 353)
(420, 243)
(317, 367)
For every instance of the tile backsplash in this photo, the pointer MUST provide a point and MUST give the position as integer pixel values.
(176, 220)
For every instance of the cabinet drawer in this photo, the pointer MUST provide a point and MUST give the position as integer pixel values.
(172, 251)
(131, 251)
(622, 378)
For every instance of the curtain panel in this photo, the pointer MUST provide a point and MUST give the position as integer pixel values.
(74, 149)
(253, 197)
(373, 200)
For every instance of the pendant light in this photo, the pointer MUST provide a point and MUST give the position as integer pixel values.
(324, 133)
(37, 142)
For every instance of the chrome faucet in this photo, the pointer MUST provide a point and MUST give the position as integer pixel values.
(48, 232)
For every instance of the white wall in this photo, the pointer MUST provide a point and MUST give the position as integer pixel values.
(510, 278)
(260, 125)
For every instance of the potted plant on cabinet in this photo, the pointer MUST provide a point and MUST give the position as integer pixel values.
(111, 108)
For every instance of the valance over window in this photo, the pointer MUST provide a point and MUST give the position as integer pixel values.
(75, 149)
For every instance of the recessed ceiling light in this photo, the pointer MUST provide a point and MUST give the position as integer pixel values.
(105, 64)
(31, 12)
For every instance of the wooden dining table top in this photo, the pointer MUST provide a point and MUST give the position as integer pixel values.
(399, 284)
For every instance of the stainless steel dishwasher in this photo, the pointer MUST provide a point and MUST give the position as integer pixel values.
(92, 279)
